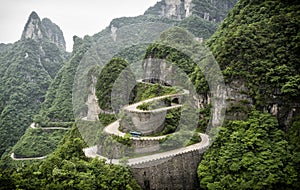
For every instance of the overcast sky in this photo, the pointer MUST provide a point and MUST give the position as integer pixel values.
(74, 17)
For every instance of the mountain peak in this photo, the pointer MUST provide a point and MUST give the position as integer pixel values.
(53, 33)
(37, 29)
(34, 15)
(33, 29)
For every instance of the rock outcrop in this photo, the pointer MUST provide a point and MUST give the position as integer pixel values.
(172, 9)
(54, 33)
(179, 9)
(37, 30)
(33, 28)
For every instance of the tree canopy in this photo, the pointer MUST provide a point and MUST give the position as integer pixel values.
(250, 154)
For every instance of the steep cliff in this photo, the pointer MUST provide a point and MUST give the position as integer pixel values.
(179, 9)
(57, 106)
(258, 44)
(54, 33)
(33, 28)
(41, 30)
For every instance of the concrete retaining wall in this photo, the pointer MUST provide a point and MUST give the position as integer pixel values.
(178, 172)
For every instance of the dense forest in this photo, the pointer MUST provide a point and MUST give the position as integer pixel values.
(57, 107)
(68, 168)
(256, 47)
(257, 44)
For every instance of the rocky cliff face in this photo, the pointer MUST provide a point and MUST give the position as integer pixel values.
(175, 9)
(212, 10)
(33, 28)
(38, 30)
(54, 33)
(172, 9)
(246, 51)
(49, 39)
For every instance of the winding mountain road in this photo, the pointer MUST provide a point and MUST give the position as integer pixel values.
(23, 159)
(113, 129)
(91, 152)
(33, 126)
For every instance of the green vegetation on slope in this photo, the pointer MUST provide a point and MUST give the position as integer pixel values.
(23, 84)
(58, 106)
(143, 91)
(181, 37)
(27, 68)
(251, 154)
(181, 41)
(293, 137)
(198, 26)
(68, 168)
(172, 55)
(106, 80)
(38, 142)
(259, 42)
(106, 119)
(171, 121)
(56, 110)
(217, 9)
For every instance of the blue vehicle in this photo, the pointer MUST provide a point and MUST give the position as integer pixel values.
(135, 134)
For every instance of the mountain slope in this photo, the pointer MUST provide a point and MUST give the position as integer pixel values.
(57, 109)
(58, 106)
(257, 48)
(250, 154)
(68, 168)
(258, 43)
(26, 71)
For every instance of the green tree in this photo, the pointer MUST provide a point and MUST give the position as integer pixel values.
(251, 154)
(107, 78)
(68, 168)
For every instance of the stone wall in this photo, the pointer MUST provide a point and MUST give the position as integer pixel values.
(178, 172)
